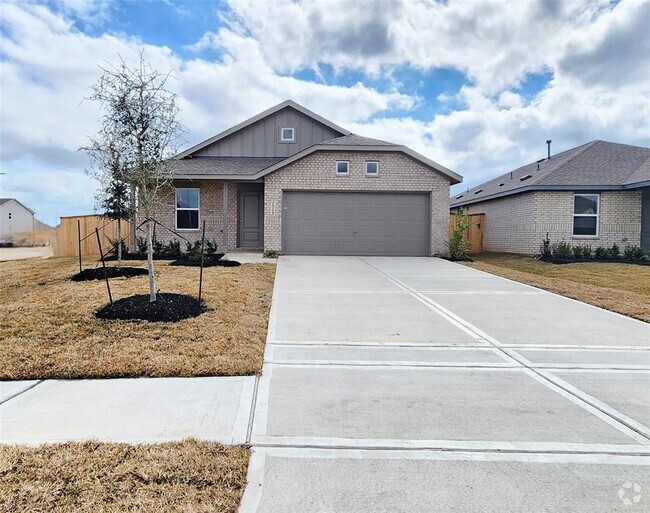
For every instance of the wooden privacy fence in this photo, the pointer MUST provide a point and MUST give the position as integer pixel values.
(474, 233)
(68, 236)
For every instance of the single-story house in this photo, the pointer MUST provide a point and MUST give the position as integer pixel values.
(597, 194)
(16, 220)
(288, 180)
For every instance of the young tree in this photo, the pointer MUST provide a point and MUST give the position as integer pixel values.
(114, 202)
(139, 123)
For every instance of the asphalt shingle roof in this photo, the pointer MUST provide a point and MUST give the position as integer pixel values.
(598, 163)
(221, 166)
(356, 140)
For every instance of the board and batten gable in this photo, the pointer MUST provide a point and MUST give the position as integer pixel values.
(262, 138)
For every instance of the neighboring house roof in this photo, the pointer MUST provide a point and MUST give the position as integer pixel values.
(220, 166)
(7, 200)
(598, 165)
(261, 115)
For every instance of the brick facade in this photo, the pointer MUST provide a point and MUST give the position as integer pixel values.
(397, 172)
(517, 224)
(316, 172)
(210, 210)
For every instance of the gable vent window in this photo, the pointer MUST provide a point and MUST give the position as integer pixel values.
(478, 192)
(287, 135)
(585, 215)
(525, 177)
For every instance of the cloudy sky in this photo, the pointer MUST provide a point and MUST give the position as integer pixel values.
(475, 85)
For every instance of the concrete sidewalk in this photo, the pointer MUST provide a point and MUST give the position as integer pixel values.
(415, 384)
(126, 410)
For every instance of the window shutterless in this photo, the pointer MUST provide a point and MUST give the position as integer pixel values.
(187, 209)
(585, 214)
(342, 167)
(372, 168)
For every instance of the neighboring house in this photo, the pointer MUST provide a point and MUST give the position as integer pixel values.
(597, 194)
(16, 219)
(289, 180)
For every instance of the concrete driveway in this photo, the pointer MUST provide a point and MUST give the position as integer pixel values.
(415, 384)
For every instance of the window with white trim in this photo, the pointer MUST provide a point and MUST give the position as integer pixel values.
(585, 215)
(342, 167)
(187, 209)
(372, 168)
(287, 135)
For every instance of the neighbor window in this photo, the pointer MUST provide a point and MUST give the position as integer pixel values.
(342, 167)
(585, 214)
(372, 168)
(187, 209)
(287, 135)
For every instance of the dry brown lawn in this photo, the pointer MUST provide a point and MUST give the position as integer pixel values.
(622, 288)
(48, 328)
(90, 477)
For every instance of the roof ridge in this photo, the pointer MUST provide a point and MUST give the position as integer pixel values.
(585, 147)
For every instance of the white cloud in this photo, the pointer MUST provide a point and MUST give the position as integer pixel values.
(594, 51)
(49, 65)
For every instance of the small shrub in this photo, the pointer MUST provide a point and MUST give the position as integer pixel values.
(582, 251)
(562, 250)
(113, 249)
(601, 253)
(211, 247)
(271, 253)
(645, 258)
(141, 247)
(613, 252)
(457, 246)
(545, 247)
(633, 253)
(171, 250)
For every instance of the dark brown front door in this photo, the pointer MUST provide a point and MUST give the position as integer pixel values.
(251, 216)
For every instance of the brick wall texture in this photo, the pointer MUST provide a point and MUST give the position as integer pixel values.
(397, 172)
(316, 172)
(517, 224)
(210, 210)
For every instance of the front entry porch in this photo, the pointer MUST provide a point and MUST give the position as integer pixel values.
(242, 209)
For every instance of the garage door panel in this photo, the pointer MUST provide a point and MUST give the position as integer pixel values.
(345, 223)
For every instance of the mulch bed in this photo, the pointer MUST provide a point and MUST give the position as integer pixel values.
(451, 259)
(557, 260)
(206, 263)
(113, 272)
(168, 308)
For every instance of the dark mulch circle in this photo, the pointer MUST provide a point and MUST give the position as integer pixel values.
(168, 308)
(207, 263)
(113, 272)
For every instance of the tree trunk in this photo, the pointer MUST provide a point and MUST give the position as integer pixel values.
(132, 229)
(152, 279)
(119, 243)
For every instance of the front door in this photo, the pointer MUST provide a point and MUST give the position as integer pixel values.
(251, 216)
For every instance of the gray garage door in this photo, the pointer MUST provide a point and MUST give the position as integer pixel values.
(355, 223)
